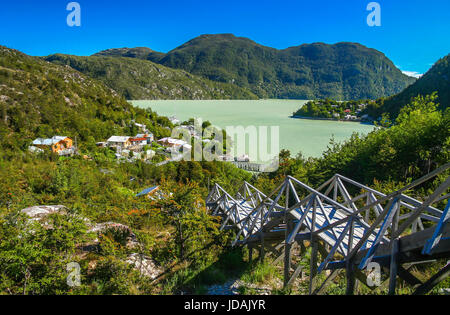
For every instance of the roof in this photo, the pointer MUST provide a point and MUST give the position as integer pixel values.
(118, 139)
(49, 142)
(173, 141)
(144, 135)
(148, 191)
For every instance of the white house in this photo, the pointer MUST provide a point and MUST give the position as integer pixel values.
(243, 158)
(141, 140)
(119, 142)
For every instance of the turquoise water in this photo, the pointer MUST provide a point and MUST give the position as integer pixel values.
(311, 137)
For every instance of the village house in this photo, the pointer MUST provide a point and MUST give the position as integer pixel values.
(225, 158)
(62, 146)
(174, 120)
(142, 139)
(243, 158)
(138, 141)
(119, 142)
(172, 143)
(351, 117)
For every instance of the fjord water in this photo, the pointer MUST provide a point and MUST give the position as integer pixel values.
(311, 137)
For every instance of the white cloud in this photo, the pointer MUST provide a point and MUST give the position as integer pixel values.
(413, 74)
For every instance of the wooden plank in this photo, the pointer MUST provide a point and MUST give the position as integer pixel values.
(346, 195)
(335, 247)
(327, 281)
(388, 217)
(295, 275)
(408, 277)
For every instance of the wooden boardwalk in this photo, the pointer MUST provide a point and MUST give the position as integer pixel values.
(344, 232)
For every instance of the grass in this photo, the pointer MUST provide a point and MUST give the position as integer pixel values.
(262, 273)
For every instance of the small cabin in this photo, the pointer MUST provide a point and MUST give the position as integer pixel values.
(58, 144)
(119, 142)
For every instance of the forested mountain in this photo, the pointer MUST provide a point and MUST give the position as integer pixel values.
(41, 99)
(138, 52)
(139, 79)
(437, 79)
(310, 71)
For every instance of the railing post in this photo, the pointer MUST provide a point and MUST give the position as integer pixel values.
(393, 270)
(287, 245)
(350, 275)
(250, 253)
(313, 263)
(262, 252)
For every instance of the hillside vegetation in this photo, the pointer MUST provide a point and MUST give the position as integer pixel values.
(41, 99)
(137, 79)
(437, 79)
(342, 71)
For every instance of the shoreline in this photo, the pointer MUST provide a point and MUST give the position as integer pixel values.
(332, 119)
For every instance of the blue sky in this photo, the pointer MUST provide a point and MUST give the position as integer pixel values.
(414, 33)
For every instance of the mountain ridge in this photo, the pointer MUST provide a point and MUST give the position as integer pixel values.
(138, 79)
(343, 70)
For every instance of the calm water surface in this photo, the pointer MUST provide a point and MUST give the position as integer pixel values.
(311, 137)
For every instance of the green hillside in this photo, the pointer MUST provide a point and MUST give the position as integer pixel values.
(41, 99)
(137, 52)
(437, 79)
(143, 80)
(310, 71)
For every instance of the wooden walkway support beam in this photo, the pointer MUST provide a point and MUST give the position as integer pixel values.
(434, 281)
